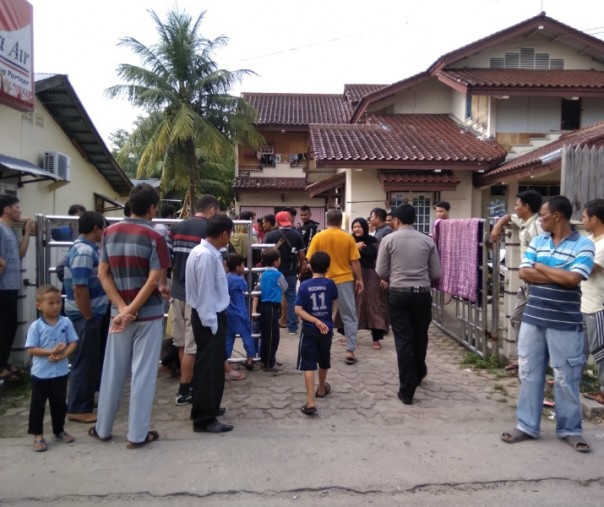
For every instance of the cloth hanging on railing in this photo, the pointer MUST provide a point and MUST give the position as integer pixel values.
(458, 243)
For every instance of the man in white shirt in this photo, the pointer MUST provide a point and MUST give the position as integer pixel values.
(592, 298)
(207, 294)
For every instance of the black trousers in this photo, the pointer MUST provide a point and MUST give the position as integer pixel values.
(269, 333)
(208, 373)
(85, 366)
(55, 391)
(410, 317)
(8, 324)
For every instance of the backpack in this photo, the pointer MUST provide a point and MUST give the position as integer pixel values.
(294, 266)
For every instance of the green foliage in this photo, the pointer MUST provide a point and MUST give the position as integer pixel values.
(188, 135)
(490, 363)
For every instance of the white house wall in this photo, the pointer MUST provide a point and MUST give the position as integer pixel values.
(461, 199)
(429, 97)
(572, 60)
(36, 133)
(528, 114)
(363, 193)
(592, 112)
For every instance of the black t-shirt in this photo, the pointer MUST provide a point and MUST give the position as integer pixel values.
(289, 242)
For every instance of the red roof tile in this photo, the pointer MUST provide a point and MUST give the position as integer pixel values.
(298, 109)
(519, 78)
(355, 92)
(424, 138)
(319, 187)
(418, 180)
(254, 184)
(536, 159)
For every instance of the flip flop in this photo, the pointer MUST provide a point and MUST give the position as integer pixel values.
(376, 345)
(511, 437)
(63, 437)
(350, 360)
(152, 436)
(305, 409)
(325, 393)
(578, 443)
(92, 432)
(595, 397)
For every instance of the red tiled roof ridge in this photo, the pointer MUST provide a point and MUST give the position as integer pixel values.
(531, 77)
(292, 94)
(593, 134)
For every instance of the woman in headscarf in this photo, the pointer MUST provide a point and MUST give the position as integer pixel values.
(372, 303)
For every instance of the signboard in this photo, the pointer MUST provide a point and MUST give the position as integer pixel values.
(16, 54)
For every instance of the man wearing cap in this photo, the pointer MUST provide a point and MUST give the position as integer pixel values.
(291, 246)
(408, 264)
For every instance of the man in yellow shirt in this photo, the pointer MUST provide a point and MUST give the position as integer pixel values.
(344, 270)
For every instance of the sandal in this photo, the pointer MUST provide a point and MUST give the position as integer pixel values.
(305, 409)
(152, 436)
(577, 442)
(249, 364)
(63, 437)
(39, 445)
(350, 360)
(376, 345)
(8, 376)
(92, 432)
(511, 437)
(596, 396)
(327, 390)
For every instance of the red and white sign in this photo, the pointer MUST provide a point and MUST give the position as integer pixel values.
(16, 54)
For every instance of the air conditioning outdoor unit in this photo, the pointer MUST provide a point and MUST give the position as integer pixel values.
(58, 164)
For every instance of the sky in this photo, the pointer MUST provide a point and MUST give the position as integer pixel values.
(305, 46)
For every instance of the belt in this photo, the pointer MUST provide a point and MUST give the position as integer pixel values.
(413, 290)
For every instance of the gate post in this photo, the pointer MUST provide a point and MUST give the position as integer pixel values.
(511, 285)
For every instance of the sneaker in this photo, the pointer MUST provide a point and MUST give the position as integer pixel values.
(184, 399)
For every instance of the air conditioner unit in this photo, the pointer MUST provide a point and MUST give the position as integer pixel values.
(58, 164)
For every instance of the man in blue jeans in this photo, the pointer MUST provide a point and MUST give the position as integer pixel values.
(291, 246)
(555, 263)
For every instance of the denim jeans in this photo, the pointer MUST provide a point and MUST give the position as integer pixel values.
(564, 349)
(290, 296)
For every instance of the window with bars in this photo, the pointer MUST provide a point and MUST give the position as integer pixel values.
(422, 205)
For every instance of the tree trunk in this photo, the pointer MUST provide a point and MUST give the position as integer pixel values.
(192, 164)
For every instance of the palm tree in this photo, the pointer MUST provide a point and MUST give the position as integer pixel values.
(191, 119)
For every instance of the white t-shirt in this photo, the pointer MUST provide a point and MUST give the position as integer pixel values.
(592, 299)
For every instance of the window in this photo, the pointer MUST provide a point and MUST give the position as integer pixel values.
(267, 156)
(422, 205)
(544, 190)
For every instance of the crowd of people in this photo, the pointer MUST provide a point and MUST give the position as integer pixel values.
(377, 277)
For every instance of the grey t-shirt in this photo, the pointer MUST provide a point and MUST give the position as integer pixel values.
(10, 279)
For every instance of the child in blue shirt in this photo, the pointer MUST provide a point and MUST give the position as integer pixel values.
(272, 286)
(238, 319)
(315, 305)
(50, 340)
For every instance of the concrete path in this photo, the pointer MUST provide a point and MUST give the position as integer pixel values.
(364, 448)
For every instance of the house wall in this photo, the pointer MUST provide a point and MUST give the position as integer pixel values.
(461, 199)
(295, 199)
(572, 60)
(528, 114)
(592, 112)
(27, 136)
(363, 193)
(285, 144)
(429, 97)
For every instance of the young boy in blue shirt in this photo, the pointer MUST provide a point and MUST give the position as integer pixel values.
(238, 319)
(272, 286)
(315, 305)
(50, 340)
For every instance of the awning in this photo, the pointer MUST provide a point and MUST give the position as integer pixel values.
(102, 203)
(16, 168)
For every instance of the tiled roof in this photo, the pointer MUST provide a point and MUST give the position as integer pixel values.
(418, 178)
(355, 92)
(254, 184)
(538, 158)
(298, 109)
(421, 138)
(520, 78)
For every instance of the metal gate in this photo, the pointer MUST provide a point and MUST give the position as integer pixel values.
(475, 325)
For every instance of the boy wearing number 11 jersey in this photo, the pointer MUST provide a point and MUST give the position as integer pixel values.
(315, 304)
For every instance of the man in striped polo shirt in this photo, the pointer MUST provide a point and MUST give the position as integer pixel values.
(132, 270)
(85, 305)
(552, 325)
